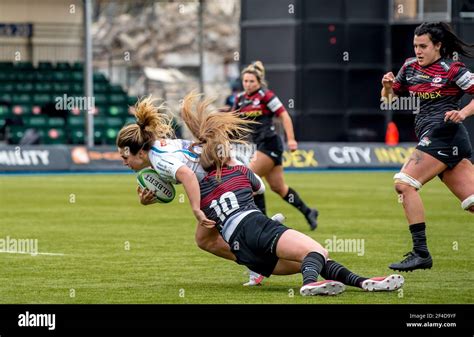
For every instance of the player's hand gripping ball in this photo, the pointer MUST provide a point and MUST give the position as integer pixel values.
(149, 179)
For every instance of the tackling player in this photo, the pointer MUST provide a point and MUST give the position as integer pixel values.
(263, 245)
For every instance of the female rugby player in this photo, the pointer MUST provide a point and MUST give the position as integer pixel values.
(444, 149)
(260, 104)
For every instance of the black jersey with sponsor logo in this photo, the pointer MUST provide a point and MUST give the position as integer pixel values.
(229, 196)
(438, 86)
(260, 106)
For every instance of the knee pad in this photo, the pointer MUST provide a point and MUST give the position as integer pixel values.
(404, 178)
(468, 202)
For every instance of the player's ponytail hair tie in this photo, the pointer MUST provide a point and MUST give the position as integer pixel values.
(141, 125)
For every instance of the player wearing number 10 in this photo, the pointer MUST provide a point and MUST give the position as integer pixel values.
(263, 245)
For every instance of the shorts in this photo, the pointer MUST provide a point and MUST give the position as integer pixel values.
(272, 147)
(447, 142)
(254, 242)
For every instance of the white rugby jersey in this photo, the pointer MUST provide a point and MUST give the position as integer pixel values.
(168, 155)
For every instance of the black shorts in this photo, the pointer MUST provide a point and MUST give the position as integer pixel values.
(447, 142)
(272, 147)
(254, 242)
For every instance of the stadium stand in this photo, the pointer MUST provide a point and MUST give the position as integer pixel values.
(28, 97)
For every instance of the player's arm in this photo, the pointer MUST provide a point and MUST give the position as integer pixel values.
(464, 79)
(393, 86)
(290, 133)
(191, 185)
(387, 86)
(255, 181)
(274, 105)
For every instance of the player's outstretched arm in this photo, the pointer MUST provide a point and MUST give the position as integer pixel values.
(191, 185)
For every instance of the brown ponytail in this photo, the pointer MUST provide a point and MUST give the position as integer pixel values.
(153, 123)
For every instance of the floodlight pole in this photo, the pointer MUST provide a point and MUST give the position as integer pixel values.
(201, 45)
(88, 83)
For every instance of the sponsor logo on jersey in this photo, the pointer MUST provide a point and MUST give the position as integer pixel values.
(425, 141)
(252, 113)
(429, 95)
(256, 101)
(437, 79)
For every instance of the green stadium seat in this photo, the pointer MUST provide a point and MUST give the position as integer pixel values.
(25, 76)
(77, 88)
(24, 87)
(76, 136)
(15, 134)
(5, 97)
(42, 99)
(74, 122)
(116, 88)
(4, 111)
(110, 135)
(78, 66)
(43, 76)
(21, 109)
(63, 66)
(41, 87)
(118, 98)
(7, 75)
(129, 120)
(45, 66)
(114, 122)
(61, 76)
(98, 136)
(102, 109)
(6, 87)
(100, 99)
(6, 65)
(35, 121)
(23, 65)
(117, 110)
(100, 122)
(99, 77)
(100, 87)
(21, 99)
(56, 122)
(55, 136)
(77, 76)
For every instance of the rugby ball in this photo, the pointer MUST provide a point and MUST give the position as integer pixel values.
(150, 179)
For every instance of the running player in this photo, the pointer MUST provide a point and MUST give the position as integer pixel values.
(263, 245)
(444, 148)
(260, 104)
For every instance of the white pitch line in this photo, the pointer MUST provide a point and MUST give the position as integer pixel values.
(33, 254)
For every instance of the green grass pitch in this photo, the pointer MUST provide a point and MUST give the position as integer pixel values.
(117, 251)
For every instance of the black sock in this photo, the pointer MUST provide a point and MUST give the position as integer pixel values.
(294, 199)
(312, 265)
(259, 200)
(337, 272)
(419, 239)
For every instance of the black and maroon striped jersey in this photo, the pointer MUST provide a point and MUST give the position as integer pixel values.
(439, 87)
(260, 106)
(229, 196)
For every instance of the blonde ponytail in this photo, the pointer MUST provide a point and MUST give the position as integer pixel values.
(213, 130)
(153, 123)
